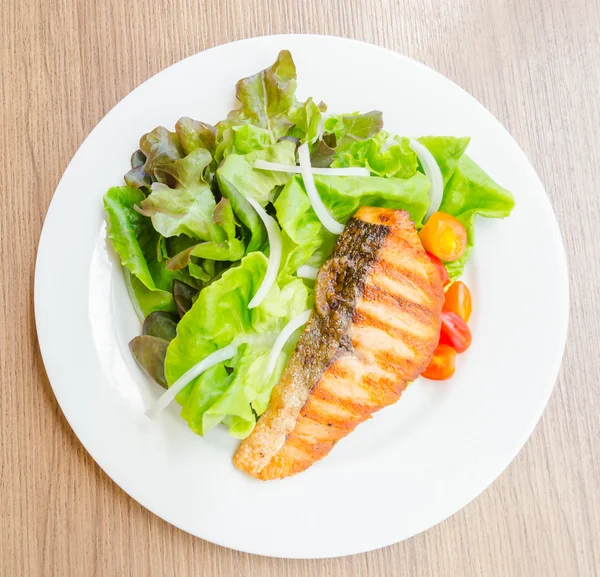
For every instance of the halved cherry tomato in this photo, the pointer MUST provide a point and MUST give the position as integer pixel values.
(458, 300)
(441, 366)
(444, 236)
(439, 265)
(456, 330)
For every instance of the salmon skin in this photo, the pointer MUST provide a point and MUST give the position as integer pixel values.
(375, 325)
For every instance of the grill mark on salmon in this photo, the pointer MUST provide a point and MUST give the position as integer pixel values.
(374, 294)
(404, 275)
(397, 288)
(375, 326)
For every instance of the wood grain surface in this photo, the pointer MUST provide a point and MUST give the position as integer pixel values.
(64, 63)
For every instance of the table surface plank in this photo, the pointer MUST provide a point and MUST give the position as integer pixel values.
(65, 63)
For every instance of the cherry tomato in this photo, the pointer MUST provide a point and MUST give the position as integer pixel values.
(444, 340)
(444, 236)
(456, 330)
(458, 300)
(439, 265)
(441, 366)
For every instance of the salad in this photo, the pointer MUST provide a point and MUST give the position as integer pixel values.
(221, 231)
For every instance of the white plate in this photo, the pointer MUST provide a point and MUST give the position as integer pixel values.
(411, 466)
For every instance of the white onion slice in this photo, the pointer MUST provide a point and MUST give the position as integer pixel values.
(213, 359)
(323, 215)
(282, 338)
(274, 235)
(433, 173)
(293, 169)
(309, 272)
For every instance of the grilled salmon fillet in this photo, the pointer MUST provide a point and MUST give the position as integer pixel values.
(375, 326)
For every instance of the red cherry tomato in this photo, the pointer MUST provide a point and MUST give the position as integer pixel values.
(441, 366)
(444, 236)
(456, 331)
(439, 265)
(444, 340)
(458, 300)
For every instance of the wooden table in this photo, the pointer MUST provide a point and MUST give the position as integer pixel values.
(65, 63)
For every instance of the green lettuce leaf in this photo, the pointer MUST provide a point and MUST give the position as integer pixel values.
(383, 155)
(230, 249)
(243, 139)
(303, 234)
(472, 192)
(350, 128)
(225, 143)
(238, 171)
(344, 195)
(136, 242)
(248, 138)
(204, 269)
(129, 231)
(238, 180)
(306, 117)
(145, 300)
(447, 151)
(220, 316)
(302, 231)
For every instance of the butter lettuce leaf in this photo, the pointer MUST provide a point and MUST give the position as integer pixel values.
(447, 151)
(228, 248)
(136, 242)
(238, 180)
(129, 231)
(344, 195)
(302, 232)
(234, 392)
(383, 155)
(471, 192)
(307, 118)
(145, 300)
(238, 172)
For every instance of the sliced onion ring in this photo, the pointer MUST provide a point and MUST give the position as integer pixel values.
(309, 272)
(323, 215)
(275, 248)
(283, 338)
(293, 169)
(433, 173)
(211, 360)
